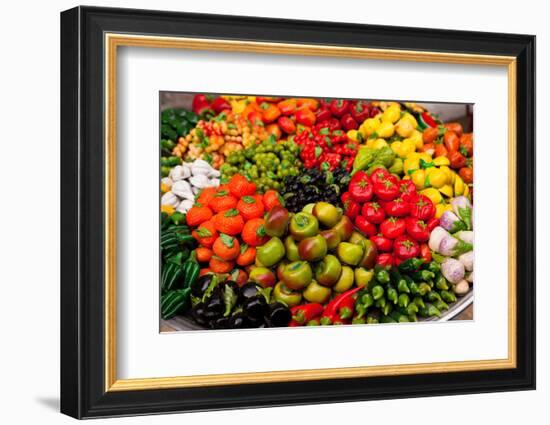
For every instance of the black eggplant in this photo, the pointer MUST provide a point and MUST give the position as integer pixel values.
(198, 313)
(199, 286)
(239, 321)
(249, 290)
(278, 315)
(220, 323)
(255, 307)
(215, 305)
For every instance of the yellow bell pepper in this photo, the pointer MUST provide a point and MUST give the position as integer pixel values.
(416, 138)
(238, 106)
(379, 144)
(459, 186)
(447, 190)
(385, 130)
(409, 117)
(433, 194)
(403, 149)
(435, 177)
(449, 173)
(466, 190)
(369, 126)
(168, 209)
(441, 160)
(404, 127)
(412, 162)
(418, 177)
(392, 114)
(354, 136)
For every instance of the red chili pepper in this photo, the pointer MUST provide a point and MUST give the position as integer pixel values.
(417, 229)
(341, 305)
(385, 260)
(200, 104)
(382, 243)
(270, 112)
(405, 247)
(301, 314)
(268, 99)
(351, 208)
(398, 207)
(365, 227)
(422, 207)
(427, 118)
(339, 107)
(220, 104)
(348, 122)
(305, 116)
(360, 187)
(287, 106)
(432, 223)
(425, 253)
(360, 110)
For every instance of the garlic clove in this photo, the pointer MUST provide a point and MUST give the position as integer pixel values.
(184, 206)
(199, 180)
(167, 181)
(181, 188)
(169, 199)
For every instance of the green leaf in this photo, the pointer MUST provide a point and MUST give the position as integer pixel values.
(324, 131)
(231, 213)
(229, 299)
(325, 166)
(248, 199)
(261, 231)
(227, 240)
(244, 247)
(203, 232)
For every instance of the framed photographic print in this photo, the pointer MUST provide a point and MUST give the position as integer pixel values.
(262, 212)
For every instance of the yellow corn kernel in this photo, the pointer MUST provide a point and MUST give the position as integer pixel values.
(433, 194)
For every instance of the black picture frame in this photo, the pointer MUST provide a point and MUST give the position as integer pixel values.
(83, 392)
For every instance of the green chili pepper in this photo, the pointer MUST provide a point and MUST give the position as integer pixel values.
(364, 157)
(410, 265)
(419, 302)
(423, 275)
(383, 276)
(402, 287)
(177, 217)
(413, 318)
(429, 311)
(414, 288)
(397, 166)
(372, 320)
(434, 266)
(387, 319)
(423, 288)
(433, 296)
(448, 296)
(358, 321)
(387, 309)
(412, 308)
(441, 283)
(391, 294)
(380, 303)
(441, 305)
(367, 300)
(377, 292)
(360, 310)
(399, 317)
(403, 300)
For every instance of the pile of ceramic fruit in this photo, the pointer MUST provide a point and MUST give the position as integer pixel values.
(378, 227)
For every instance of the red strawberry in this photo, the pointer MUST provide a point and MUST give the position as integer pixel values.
(206, 233)
(253, 232)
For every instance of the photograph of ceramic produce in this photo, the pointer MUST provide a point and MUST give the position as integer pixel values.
(295, 211)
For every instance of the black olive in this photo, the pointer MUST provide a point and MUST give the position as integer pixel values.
(279, 315)
(255, 307)
(201, 284)
(249, 290)
(239, 321)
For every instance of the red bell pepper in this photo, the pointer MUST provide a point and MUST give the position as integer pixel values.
(360, 110)
(323, 114)
(425, 253)
(407, 189)
(351, 208)
(268, 99)
(201, 104)
(388, 189)
(398, 207)
(373, 212)
(220, 104)
(405, 247)
(393, 227)
(305, 116)
(382, 243)
(348, 122)
(339, 107)
(287, 106)
(422, 207)
(302, 314)
(417, 229)
(365, 227)
(269, 112)
(432, 223)
(360, 187)
(287, 125)
(385, 260)
(379, 175)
